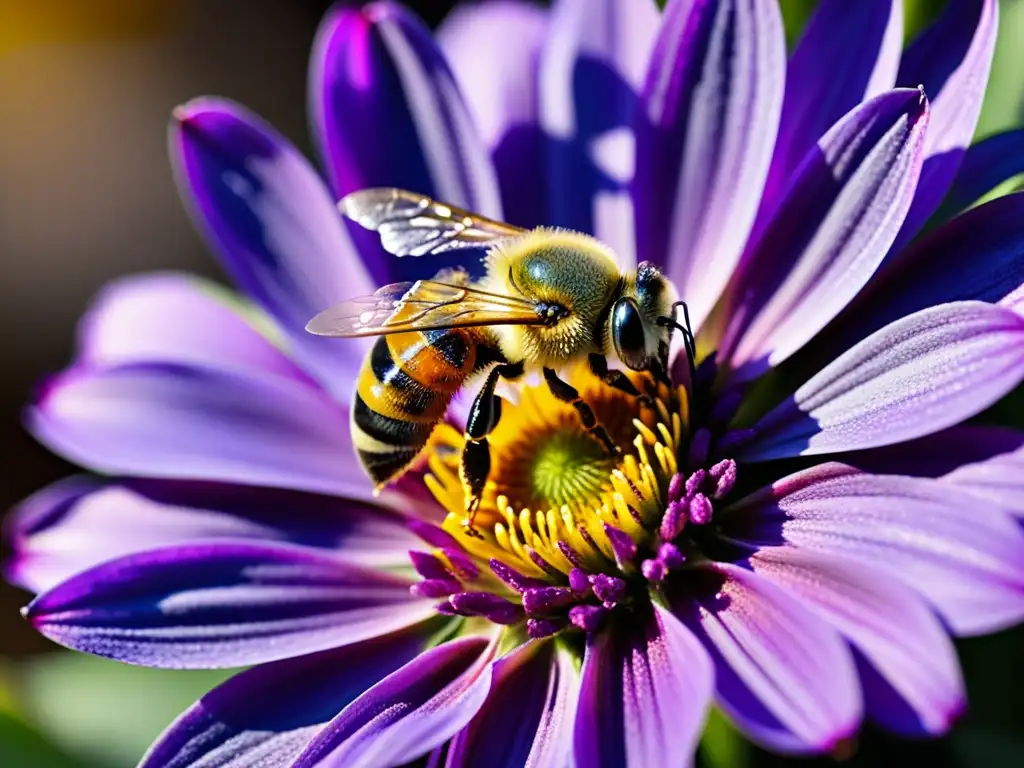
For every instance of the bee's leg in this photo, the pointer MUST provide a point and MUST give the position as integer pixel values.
(615, 379)
(476, 455)
(569, 394)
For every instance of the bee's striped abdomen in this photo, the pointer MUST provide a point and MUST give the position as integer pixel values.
(403, 391)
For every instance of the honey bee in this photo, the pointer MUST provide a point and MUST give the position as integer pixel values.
(549, 298)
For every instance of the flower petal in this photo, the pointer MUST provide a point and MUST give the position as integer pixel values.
(543, 681)
(80, 522)
(781, 673)
(986, 165)
(177, 318)
(267, 715)
(267, 214)
(386, 111)
(592, 69)
(999, 478)
(923, 373)
(710, 113)
(937, 454)
(222, 604)
(411, 711)
(177, 421)
(951, 60)
(935, 270)
(889, 625)
(961, 554)
(848, 53)
(644, 696)
(839, 215)
(503, 95)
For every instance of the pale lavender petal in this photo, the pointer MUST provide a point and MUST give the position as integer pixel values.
(503, 95)
(411, 711)
(831, 231)
(386, 111)
(916, 376)
(179, 421)
(978, 255)
(223, 604)
(80, 522)
(592, 69)
(986, 165)
(890, 626)
(178, 318)
(960, 553)
(646, 687)
(542, 680)
(267, 715)
(999, 478)
(847, 54)
(781, 673)
(710, 114)
(267, 214)
(951, 60)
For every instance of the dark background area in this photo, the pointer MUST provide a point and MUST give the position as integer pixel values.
(86, 195)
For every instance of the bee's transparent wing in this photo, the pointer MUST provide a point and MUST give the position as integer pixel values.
(410, 224)
(422, 306)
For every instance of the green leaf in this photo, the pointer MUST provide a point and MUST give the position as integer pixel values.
(722, 746)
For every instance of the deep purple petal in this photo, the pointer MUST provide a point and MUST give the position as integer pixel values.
(267, 214)
(999, 478)
(411, 711)
(951, 60)
(646, 687)
(985, 166)
(541, 681)
(937, 454)
(840, 214)
(78, 523)
(502, 93)
(386, 111)
(592, 69)
(222, 604)
(179, 421)
(710, 113)
(267, 715)
(978, 255)
(177, 318)
(923, 373)
(848, 53)
(960, 553)
(888, 624)
(781, 673)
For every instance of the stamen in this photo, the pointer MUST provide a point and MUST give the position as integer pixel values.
(589, 618)
(700, 510)
(543, 601)
(540, 628)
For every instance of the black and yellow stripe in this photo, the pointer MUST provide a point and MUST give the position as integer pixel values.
(403, 391)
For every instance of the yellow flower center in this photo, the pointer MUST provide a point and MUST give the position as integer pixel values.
(553, 491)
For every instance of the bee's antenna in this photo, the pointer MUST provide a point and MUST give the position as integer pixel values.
(689, 343)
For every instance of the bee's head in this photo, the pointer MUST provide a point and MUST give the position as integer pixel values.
(640, 339)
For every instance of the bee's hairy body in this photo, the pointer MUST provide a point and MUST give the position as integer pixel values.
(409, 379)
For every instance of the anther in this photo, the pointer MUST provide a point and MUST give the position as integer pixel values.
(429, 567)
(700, 510)
(547, 600)
(653, 570)
(674, 520)
(578, 582)
(694, 482)
(589, 618)
(670, 555)
(724, 475)
(538, 628)
(623, 545)
(570, 554)
(514, 578)
(461, 563)
(492, 607)
(676, 486)
(435, 588)
(609, 589)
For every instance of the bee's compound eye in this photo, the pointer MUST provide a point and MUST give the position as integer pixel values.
(628, 334)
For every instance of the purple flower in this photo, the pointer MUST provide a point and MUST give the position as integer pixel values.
(604, 603)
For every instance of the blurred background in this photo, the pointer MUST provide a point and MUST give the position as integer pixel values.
(86, 89)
